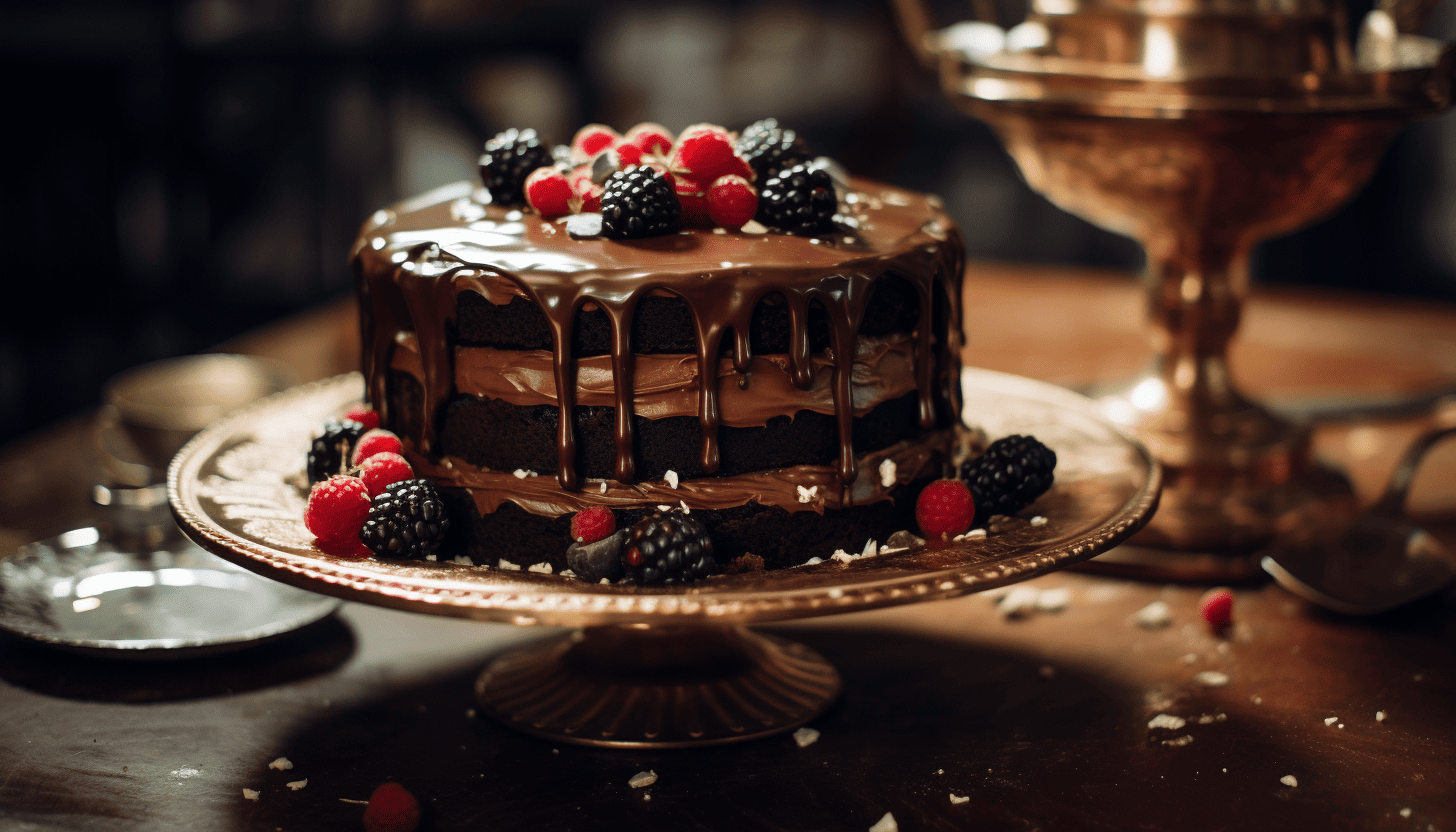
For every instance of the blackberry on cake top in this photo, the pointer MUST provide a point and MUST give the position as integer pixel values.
(508, 159)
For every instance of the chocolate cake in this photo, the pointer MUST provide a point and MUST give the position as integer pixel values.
(792, 392)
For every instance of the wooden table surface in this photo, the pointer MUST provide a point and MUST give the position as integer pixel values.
(1042, 722)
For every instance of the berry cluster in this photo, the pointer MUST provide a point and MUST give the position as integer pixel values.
(373, 504)
(1007, 478)
(646, 182)
(666, 547)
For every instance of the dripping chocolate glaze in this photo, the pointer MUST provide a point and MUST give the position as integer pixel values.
(413, 260)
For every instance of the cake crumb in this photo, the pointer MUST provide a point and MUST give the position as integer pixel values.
(1212, 679)
(1154, 616)
(841, 556)
(508, 566)
(1380, 716)
(642, 778)
(747, 562)
(886, 824)
(671, 477)
(249, 794)
(806, 737)
(1054, 600)
(1290, 781)
(297, 784)
(807, 494)
(542, 567)
(281, 764)
(1168, 721)
(1038, 521)
(955, 798)
(887, 473)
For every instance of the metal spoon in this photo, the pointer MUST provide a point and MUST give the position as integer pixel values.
(1378, 562)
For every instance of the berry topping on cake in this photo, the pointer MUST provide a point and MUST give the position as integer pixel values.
(1217, 608)
(406, 520)
(649, 137)
(377, 441)
(945, 509)
(668, 547)
(337, 508)
(384, 469)
(597, 559)
(363, 415)
(593, 524)
(508, 159)
(770, 148)
(392, 809)
(639, 202)
(731, 201)
(798, 200)
(330, 453)
(548, 191)
(593, 139)
(705, 152)
(1010, 475)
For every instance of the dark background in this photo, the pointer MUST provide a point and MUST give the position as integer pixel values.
(182, 172)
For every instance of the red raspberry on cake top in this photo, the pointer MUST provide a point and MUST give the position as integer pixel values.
(731, 201)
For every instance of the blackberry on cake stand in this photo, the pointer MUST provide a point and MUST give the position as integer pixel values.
(674, 665)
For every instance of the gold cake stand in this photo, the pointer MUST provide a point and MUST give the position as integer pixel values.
(661, 666)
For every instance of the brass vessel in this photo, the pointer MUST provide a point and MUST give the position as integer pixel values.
(1199, 128)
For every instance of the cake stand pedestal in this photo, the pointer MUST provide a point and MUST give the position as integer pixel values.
(659, 667)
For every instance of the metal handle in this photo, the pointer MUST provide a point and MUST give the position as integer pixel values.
(1393, 500)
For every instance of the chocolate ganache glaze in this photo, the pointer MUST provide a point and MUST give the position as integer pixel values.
(415, 260)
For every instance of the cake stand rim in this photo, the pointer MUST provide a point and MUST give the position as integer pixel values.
(535, 599)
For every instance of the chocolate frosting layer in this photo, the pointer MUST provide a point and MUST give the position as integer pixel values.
(413, 260)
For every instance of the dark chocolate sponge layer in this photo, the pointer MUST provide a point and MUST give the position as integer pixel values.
(665, 324)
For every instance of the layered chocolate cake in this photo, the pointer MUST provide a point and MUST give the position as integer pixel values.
(790, 391)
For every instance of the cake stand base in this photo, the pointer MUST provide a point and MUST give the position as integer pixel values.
(626, 686)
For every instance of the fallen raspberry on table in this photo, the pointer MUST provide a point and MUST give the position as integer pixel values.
(377, 441)
(392, 809)
(337, 508)
(384, 469)
(363, 415)
(549, 193)
(593, 524)
(593, 139)
(1217, 608)
(945, 509)
(731, 201)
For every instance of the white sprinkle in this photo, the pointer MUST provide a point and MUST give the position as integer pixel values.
(432, 558)
(940, 771)
(297, 784)
(812, 561)
(351, 800)
(1154, 616)
(522, 473)
(806, 737)
(1179, 742)
(604, 581)
(1331, 720)
(1406, 812)
(1289, 781)
(249, 794)
(1212, 678)
(646, 795)
(871, 548)
(684, 504)
(975, 534)
(1341, 725)
(1207, 719)
(836, 592)
(955, 798)
(886, 824)
(807, 494)
(1054, 600)
(603, 489)
(464, 560)
(1380, 716)
(281, 764)
(671, 477)
(958, 538)
(1019, 601)
(1257, 700)
(642, 778)
(542, 567)
(1047, 671)
(664, 507)
(567, 573)
(841, 556)
(1168, 721)
(1191, 658)
(887, 473)
(1038, 521)
(508, 566)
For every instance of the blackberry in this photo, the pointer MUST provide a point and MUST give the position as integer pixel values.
(638, 202)
(406, 520)
(759, 127)
(771, 149)
(798, 200)
(329, 454)
(508, 159)
(1011, 474)
(668, 547)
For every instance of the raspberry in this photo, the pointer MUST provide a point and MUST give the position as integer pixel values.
(406, 520)
(770, 148)
(638, 202)
(384, 469)
(1217, 608)
(508, 159)
(798, 200)
(731, 201)
(668, 548)
(945, 509)
(329, 454)
(651, 138)
(363, 415)
(1010, 475)
(628, 154)
(548, 192)
(337, 508)
(593, 139)
(593, 524)
(377, 441)
(392, 809)
(585, 189)
(597, 560)
(706, 151)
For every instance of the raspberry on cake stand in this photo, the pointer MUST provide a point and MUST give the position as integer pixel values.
(662, 666)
